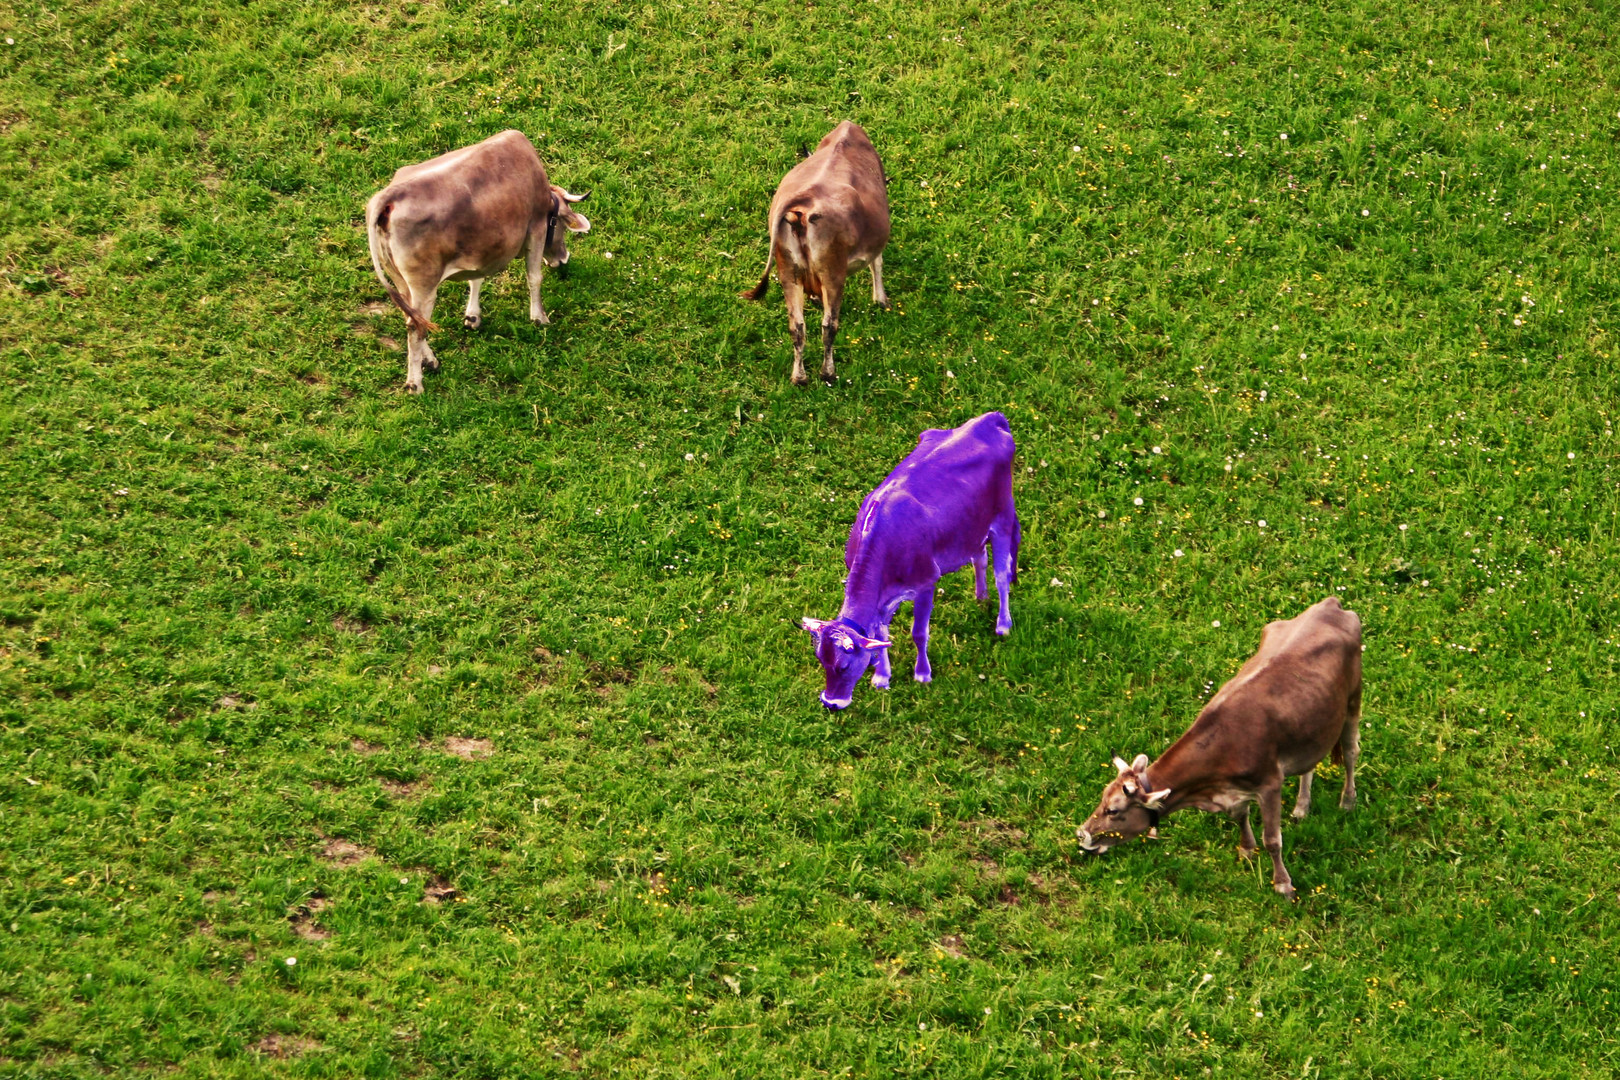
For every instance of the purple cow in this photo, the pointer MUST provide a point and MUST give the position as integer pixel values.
(933, 515)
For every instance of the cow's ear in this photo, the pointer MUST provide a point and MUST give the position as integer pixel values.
(576, 222)
(815, 626)
(1155, 799)
(1140, 763)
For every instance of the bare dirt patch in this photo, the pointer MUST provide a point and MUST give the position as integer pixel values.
(232, 701)
(376, 307)
(285, 1046)
(340, 852)
(437, 890)
(407, 789)
(350, 624)
(361, 746)
(1008, 896)
(468, 749)
(952, 946)
(303, 919)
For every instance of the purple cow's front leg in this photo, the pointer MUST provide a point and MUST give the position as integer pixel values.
(880, 664)
(1004, 575)
(921, 608)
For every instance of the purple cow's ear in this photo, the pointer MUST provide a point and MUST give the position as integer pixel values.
(815, 626)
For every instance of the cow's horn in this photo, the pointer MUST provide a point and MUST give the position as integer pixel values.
(1119, 763)
(581, 197)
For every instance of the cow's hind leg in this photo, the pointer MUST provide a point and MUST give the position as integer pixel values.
(793, 293)
(921, 608)
(878, 295)
(1350, 747)
(417, 353)
(1271, 832)
(1302, 805)
(1004, 560)
(979, 564)
(474, 317)
(832, 303)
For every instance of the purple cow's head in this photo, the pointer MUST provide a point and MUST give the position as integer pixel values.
(845, 653)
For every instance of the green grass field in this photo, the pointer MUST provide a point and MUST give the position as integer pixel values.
(253, 595)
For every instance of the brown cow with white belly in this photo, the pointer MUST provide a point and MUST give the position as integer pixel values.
(461, 217)
(1294, 702)
(830, 216)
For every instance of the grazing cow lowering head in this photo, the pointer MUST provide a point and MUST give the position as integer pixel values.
(1295, 702)
(461, 217)
(845, 654)
(936, 513)
(1127, 810)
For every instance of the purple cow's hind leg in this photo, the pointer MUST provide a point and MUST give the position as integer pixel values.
(921, 608)
(978, 575)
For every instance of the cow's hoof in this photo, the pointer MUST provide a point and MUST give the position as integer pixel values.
(1299, 812)
(472, 322)
(1286, 891)
(1003, 631)
(1347, 804)
(801, 380)
(924, 676)
(430, 363)
(829, 378)
(880, 682)
(1246, 853)
(413, 388)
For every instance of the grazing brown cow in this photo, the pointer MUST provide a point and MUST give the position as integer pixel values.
(1296, 699)
(830, 216)
(462, 217)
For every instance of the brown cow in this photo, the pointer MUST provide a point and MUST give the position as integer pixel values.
(830, 216)
(461, 217)
(1296, 700)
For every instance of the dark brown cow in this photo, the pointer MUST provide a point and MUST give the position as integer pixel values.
(1296, 700)
(462, 217)
(830, 216)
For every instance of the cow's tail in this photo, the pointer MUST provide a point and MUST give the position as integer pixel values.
(1338, 754)
(382, 261)
(758, 291)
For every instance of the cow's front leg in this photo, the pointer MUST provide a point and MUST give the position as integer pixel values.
(537, 268)
(1003, 556)
(1302, 805)
(417, 353)
(1246, 844)
(793, 293)
(878, 295)
(474, 317)
(832, 302)
(1350, 747)
(921, 608)
(880, 664)
(1271, 832)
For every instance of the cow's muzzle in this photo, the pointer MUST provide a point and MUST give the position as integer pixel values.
(834, 704)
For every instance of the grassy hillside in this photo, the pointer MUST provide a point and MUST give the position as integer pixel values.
(490, 707)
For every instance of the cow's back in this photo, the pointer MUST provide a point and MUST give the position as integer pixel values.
(471, 202)
(945, 494)
(845, 174)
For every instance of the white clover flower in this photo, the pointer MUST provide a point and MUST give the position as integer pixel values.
(1102, 513)
(1156, 450)
(950, 374)
(691, 457)
(1139, 498)
(1179, 553)
(1572, 455)
(1262, 523)
(292, 961)
(1216, 624)
(1283, 136)
(1364, 213)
